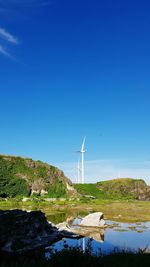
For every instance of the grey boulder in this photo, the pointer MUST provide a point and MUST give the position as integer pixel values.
(95, 219)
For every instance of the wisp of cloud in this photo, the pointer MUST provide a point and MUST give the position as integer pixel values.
(8, 36)
(4, 52)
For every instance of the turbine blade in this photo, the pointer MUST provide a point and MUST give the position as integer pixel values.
(82, 148)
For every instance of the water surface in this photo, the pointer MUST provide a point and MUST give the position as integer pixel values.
(118, 236)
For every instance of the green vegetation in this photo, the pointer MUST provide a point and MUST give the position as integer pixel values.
(116, 189)
(126, 188)
(10, 184)
(59, 210)
(74, 257)
(88, 190)
(57, 190)
(24, 177)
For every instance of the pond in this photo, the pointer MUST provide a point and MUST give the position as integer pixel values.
(115, 237)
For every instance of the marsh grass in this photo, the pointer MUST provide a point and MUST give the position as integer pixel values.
(120, 211)
(73, 257)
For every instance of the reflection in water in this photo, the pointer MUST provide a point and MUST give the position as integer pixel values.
(91, 232)
(83, 244)
(117, 236)
(57, 217)
(99, 236)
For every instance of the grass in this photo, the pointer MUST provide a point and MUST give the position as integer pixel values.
(74, 257)
(116, 189)
(88, 189)
(121, 211)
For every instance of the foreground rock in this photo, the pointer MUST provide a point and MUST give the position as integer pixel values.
(22, 231)
(93, 220)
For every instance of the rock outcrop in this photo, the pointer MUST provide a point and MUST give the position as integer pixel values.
(21, 231)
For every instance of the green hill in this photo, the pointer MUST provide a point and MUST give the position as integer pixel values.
(123, 188)
(25, 177)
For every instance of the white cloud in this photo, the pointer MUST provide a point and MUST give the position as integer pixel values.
(8, 36)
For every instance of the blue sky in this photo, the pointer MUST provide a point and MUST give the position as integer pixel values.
(75, 68)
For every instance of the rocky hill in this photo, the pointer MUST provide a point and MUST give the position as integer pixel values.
(123, 188)
(25, 177)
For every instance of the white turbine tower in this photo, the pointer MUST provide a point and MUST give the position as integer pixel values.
(82, 153)
(78, 168)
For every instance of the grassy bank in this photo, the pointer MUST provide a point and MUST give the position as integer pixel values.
(116, 189)
(74, 257)
(58, 211)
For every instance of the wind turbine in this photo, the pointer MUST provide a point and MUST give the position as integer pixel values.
(78, 168)
(82, 153)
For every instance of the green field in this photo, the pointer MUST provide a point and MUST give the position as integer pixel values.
(58, 211)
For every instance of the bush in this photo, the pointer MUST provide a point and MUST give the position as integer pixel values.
(57, 190)
(73, 258)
